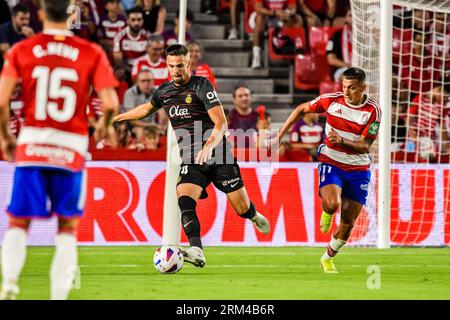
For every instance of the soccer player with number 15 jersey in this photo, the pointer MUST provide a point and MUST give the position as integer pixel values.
(57, 70)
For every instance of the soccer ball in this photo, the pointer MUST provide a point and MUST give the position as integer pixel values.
(168, 259)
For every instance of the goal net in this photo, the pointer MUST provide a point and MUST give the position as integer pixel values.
(420, 113)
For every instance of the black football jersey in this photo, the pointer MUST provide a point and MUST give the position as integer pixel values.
(187, 109)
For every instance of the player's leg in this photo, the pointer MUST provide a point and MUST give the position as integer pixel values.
(227, 178)
(349, 213)
(28, 200)
(260, 25)
(67, 192)
(190, 188)
(245, 209)
(14, 251)
(330, 190)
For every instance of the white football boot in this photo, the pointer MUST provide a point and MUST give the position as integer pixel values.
(195, 256)
(261, 223)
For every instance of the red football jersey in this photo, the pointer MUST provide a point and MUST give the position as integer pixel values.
(131, 47)
(204, 70)
(159, 69)
(350, 122)
(57, 71)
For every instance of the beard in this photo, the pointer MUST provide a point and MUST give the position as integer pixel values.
(135, 29)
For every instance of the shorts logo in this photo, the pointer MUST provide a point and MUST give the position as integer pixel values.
(373, 129)
(232, 182)
(365, 187)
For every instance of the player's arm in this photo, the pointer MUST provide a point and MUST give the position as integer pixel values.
(360, 146)
(140, 112)
(298, 112)
(220, 128)
(110, 102)
(7, 141)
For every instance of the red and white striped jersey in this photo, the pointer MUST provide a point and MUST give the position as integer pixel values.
(131, 47)
(109, 29)
(57, 71)
(276, 4)
(158, 69)
(351, 122)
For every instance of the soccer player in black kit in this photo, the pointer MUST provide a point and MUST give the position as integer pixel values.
(199, 122)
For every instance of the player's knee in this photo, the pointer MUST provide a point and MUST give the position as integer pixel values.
(68, 225)
(19, 223)
(242, 208)
(331, 205)
(189, 219)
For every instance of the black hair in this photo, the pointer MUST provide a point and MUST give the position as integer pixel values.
(135, 10)
(177, 50)
(355, 73)
(56, 10)
(189, 15)
(19, 8)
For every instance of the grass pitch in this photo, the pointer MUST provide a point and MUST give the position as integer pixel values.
(291, 273)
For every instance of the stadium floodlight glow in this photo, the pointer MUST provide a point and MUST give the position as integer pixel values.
(172, 214)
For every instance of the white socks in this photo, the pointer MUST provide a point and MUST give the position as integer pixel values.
(333, 248)
(64, 266)
(14, 252)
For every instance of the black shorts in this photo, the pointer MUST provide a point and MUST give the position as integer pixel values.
(225, 177)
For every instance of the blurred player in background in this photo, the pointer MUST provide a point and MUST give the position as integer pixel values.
(353, 119)
(57, 70)
(197, 116)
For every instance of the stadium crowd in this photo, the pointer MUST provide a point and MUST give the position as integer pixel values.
(134, 34)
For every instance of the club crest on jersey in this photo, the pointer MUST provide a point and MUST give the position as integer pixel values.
(188, 98)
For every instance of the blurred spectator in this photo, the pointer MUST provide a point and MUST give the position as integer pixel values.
(140, 94)
(342, 6)
(307, 134)
(421, 20)
(111, 23)
(339, 49)
(130, 43)
(150, 139)
(416, 68)
(86, 28)
(171, 36)
(120, 74)
(200, 68)
(242, 116)
(318, 12)
(128, 4)
(17, 29)
(154, 15)
(398, 129)
(91, 5)
(153, 60)
(33, 6)
(234, 33)
(209, 6)
(440, 41)
(15, 111)
(426, 121)
(275, 12)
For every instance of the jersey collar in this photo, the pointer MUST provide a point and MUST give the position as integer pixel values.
(58, 32)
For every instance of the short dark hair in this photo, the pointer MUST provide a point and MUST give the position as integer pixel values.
(177, 50)
(136, 10)
(241, 85)
(56, 10)
(355, 73)
(19, 8)
(189, 15)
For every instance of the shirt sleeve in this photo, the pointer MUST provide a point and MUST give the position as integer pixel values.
(207, 94)
(103, 73)
(319, 104)
(333, 45)
(10, 66)
(155, 100)
(371, 129)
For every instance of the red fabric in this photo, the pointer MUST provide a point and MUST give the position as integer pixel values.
(131, 48)
(159, 69)
(204, 70)
(276, 4)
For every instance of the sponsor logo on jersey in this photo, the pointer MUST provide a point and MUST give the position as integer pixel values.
(373, 129)
(176, 111)
(50, 152)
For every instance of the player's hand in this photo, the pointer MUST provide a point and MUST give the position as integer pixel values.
(334, 137)
(8, 147)
(108, 133)
(27, 31)
(203, 156)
